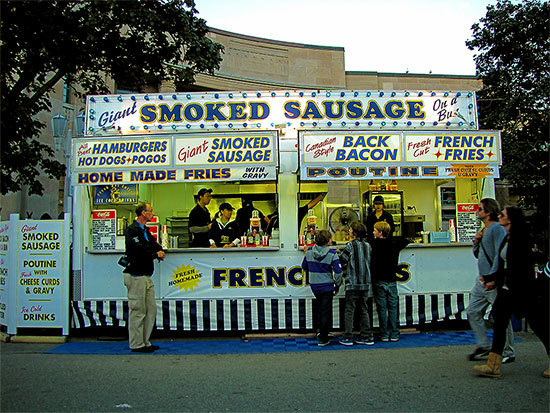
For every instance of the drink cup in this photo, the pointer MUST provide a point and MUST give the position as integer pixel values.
(265, 240)
(302, 240)
(243, 241)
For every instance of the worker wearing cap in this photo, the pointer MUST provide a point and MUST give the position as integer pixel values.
(200, 221)
(378, 215)
(224, 233)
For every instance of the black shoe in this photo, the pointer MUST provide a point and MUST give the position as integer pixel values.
(478, 354)
(143, 350)
(508, 359)
(153, 347)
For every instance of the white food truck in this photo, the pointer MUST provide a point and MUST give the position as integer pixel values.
(421, 150)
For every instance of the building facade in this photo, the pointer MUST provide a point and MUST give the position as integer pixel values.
(249, 63)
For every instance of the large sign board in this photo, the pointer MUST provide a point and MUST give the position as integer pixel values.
(249, 156)
(402, 155)
(352, 109)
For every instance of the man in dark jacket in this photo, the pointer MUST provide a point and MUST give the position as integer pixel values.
(141, 249)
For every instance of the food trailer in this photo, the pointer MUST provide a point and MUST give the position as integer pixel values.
(422, 150)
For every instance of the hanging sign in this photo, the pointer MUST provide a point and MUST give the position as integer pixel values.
(352, 109)
(115, 194)
(479, 147)
(400, 155)
(180, 158)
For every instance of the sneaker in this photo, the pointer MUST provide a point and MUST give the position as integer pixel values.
(394, 339)
(385, 339)
(346, 341)
(153, 347)
(363, 340)
(329, 335)
(508, 359)
(323, 343)
(478, 354)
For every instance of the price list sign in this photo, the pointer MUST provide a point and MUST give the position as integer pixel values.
(104, 229)
(467, 224)
(41, 274)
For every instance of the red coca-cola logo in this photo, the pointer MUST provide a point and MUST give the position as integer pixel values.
(468, 208)
(104, 214)
(3, 229)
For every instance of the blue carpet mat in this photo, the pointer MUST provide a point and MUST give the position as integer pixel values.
(278, 345)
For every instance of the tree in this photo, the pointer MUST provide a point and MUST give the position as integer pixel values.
(136, 42)
(513, 55)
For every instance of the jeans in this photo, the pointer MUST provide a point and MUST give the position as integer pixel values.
(323, 313)
(357, 298)
(387, 301)
(479, 302)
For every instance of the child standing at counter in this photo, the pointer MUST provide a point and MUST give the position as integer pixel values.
(385, 257)
(356, 257)
(322, 265)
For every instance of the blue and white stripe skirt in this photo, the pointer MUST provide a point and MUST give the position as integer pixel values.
(262, 314)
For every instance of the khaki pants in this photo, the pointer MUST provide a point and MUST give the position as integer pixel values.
(143, 309)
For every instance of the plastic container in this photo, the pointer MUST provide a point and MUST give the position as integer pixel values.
(443, 237)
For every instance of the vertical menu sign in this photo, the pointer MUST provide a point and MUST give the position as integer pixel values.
(104, 229)
(467, 224)
(40, 279)
(4, 245)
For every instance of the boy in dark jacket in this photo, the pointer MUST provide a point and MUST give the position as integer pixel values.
(385, 257)
(322, 265)
(356, 257)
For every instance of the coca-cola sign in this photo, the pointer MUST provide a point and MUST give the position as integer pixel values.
(111, 214)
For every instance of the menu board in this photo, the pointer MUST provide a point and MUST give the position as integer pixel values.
(4, 254)
(104, 229)
(467, 224)
(41, 278)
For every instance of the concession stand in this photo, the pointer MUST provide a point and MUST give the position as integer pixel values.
(421, 150)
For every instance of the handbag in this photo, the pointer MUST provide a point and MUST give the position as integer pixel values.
(124, 261)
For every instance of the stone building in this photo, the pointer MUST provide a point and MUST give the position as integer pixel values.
(249, 63)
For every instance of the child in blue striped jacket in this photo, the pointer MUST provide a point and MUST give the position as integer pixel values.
(322, 266)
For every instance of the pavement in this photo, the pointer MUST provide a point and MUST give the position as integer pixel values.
(209, 374)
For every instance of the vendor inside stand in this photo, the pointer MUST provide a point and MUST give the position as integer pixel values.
(200, 222)
(224, 233)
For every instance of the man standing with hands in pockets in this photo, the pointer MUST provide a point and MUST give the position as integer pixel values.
(486, 250)
(141, 249)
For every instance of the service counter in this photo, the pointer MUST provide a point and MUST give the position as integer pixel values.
(264, 289)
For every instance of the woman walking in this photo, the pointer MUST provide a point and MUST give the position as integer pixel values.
(517, 295)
